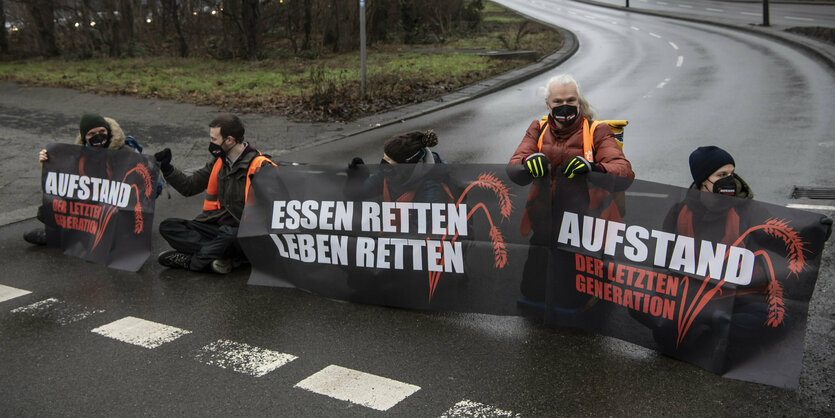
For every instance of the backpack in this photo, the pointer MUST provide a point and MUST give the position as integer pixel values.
(588, 134)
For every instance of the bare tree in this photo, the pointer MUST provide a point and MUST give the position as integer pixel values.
(4, 42)
(171, 12)
(250, 14)
(43, 17)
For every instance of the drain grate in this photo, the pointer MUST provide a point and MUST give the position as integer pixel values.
(822, 193)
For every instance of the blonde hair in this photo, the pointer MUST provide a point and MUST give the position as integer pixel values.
(563, 79)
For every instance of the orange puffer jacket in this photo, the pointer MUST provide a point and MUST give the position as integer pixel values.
(561, 145)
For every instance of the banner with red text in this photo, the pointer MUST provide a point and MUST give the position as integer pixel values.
(718, 281)
(98, 204)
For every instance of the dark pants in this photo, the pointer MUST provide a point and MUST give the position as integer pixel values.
(204, 241)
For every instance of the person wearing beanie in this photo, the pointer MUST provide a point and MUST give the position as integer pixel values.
(723, 327)
(712, 169)
(94, 130)
(409, 171)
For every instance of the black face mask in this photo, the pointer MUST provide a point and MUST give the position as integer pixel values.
(99, 140)
(564, 114)
(725, 186)
(216, 150)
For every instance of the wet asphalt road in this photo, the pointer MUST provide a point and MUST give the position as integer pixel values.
(53, 366)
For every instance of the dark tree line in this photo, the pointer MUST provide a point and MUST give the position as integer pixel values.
(227, 29)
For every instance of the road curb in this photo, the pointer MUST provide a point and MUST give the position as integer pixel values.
(815, 49)
(482, 88)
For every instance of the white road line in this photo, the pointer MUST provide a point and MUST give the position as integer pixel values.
(751, 14)
(680, 61)
(589, 17)
(661, 3)
(8, 292)
(242, 358)
(655, 35)
(645, 194)
(805, 19)
(571, 12)
(357, 387)
(634, 28)
(467, 408)
(809, 207)
(710, 9)
(663, 83)
(58, 311)
(140, 332)
(685, 6)
(673, 45)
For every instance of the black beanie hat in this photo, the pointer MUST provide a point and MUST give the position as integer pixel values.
(406, 147)
(704, 161)
(90, 121)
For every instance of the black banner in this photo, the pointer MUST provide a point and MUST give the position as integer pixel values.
(98, 204)
(454, 244)
(720, 282)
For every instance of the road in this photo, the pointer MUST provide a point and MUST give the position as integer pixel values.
(679, 84)
(745, 12)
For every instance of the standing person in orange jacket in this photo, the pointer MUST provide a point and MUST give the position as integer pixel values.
(211, 238)
(557, 146)
(561, 143)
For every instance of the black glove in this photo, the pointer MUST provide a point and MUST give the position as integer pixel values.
(355, 162)
(164, 159)
(536, 164)
(579, 165)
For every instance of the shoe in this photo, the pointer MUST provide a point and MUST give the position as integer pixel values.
(174, 259)
(222, 266)
(36, 236)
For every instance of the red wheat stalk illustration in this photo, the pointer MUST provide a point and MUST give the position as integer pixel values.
(487, 181)
(499, 249)
(138, 221)
(776, 306)
(795, 255)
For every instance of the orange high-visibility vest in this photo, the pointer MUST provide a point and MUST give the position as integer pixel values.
(211, 202)
(588, 137)
(684, 225)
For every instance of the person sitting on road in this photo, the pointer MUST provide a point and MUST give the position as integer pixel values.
(210, 240)
(409, 171)
(94, 131)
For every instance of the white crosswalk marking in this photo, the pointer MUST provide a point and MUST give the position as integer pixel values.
(467, 408)
(8, 292)
(357, 387)
(809, 207)
(58, 311)
(140, 332)
(242, 358)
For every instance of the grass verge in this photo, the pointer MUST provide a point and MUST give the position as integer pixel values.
(325, 88)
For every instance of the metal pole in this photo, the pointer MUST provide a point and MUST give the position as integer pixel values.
(362, 45)
(765, 13)
(627, 4)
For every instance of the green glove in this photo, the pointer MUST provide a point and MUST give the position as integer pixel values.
(537, 164)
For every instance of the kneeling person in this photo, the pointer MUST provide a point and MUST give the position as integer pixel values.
(211, 238)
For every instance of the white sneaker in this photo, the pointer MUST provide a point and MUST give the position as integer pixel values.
(222, 266)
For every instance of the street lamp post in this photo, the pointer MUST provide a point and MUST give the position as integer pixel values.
(765, 13)
(362, 46)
